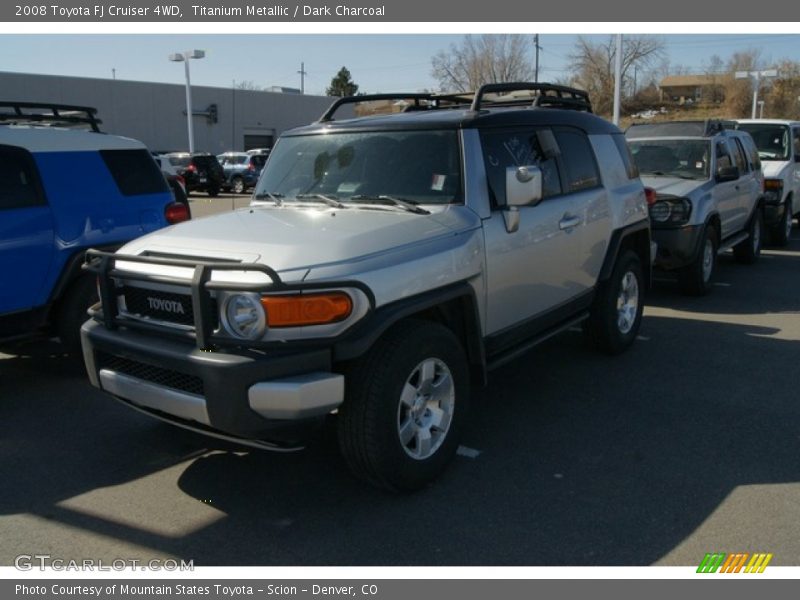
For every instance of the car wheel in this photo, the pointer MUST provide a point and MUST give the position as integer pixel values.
(616, 313)
(782, 232)
(748, 251)
(695, 279)
(213, 191)
(238, 185)
(406, 402)
(72, 312)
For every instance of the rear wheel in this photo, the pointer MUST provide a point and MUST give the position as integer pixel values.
(238, 185)
(695, 279)
(748, 251)
(781, 233)
(406, 402)
(617, 310)
(72, 312)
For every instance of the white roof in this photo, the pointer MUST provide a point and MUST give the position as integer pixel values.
(769, 121)
(57, 139)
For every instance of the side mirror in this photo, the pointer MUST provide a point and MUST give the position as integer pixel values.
(728, 173)
(523, 186)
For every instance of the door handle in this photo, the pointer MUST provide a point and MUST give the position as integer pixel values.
(568, 222)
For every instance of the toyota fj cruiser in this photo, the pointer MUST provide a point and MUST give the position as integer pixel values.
(386, 264)
(778, 144)
(66, 187)
(708, 195)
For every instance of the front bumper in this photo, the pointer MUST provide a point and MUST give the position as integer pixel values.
(277, 396)
(677, 247)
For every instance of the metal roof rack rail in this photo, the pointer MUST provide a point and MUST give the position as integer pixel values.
(52, 114)
(339, 102)
(548, 94)
(713, 126)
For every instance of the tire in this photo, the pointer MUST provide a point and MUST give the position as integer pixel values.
(213, 191)
(748, 251)
(696, 279)
(237, 185)
(72, 312)
(387, 432)
(616, 313)
(782, 232)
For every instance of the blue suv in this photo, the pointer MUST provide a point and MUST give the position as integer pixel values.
(66, 187)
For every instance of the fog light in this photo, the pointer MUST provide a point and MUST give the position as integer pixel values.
(243, 316)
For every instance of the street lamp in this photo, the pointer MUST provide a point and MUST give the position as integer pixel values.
(184, 57)
(756, 77)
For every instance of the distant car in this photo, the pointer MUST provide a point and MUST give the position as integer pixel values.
(708, 195)
(778, 145)
(64, 189)
(265, 151)
(201, 171)
(241, 170)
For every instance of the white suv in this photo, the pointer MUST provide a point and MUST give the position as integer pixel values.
(778, 143)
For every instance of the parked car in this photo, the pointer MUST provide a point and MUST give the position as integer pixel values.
(241, 170)
(708, 195)
(201, 171)
(385, 265)
(176, 183)
(65, 187)
(263, 151)
(778, 143)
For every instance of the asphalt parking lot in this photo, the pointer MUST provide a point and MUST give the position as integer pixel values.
(687, 444)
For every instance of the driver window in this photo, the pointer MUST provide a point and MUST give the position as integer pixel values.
(723, 156)
(516, 148)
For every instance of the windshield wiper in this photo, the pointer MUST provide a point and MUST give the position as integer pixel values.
(383, 199)
(329, 200)
(274, 196)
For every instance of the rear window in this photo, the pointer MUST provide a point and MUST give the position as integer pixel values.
(179, 161)
(625, 155)
(19, 179)
(135, 172)
(578, 157)
(206, 161)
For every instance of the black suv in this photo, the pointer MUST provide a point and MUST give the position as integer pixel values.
(201, 171)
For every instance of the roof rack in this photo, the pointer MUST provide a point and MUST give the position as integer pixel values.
(52, 114)
(543, 95)
(704, 128)
(546, 94)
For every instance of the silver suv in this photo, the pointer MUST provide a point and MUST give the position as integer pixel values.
(708, 195)
(386, 265)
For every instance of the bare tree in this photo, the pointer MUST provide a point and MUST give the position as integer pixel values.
(592, 64)
(483, 59)
(714, 70)
(739, 92)
(247, 85)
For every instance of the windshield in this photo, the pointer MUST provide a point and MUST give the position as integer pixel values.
(418, 167)
(772, 141)
(687, 158)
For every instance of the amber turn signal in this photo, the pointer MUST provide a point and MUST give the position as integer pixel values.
(307, 309)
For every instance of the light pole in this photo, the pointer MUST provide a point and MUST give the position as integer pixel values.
(756, 77)
(184, 57)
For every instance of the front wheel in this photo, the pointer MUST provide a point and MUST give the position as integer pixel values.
(406, 403)
(73, 312)
(238, 185)
(782, 232)
(617, 310)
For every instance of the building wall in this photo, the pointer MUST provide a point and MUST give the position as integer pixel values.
(154, 112)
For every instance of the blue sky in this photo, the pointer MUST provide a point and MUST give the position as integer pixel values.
(378, 63)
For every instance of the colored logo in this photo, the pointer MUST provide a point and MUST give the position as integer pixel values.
(734, 563)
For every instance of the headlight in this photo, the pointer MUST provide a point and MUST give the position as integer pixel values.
(243, 316)
(671, 211)
(773, 190)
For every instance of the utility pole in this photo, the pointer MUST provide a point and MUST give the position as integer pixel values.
(617, 78)
(113, 74)
(537, 47)
(303, 74)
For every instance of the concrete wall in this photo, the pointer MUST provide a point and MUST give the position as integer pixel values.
(153, 112)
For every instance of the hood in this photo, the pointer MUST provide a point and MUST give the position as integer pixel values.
(292, 238)
(673, 186)
(773, 168)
